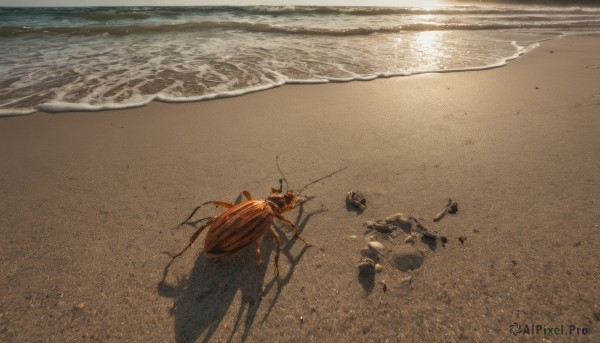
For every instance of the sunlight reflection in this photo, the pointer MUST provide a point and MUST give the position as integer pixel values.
(429, 44)
(424, 4)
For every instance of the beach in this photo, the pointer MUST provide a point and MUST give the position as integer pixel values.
(89, 202)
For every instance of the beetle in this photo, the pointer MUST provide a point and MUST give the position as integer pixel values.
(245, 223)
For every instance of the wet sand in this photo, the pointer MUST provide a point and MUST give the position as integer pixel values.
(89, 202)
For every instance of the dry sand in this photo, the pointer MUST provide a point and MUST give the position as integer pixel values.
(89, 200)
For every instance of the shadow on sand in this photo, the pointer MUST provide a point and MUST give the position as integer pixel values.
(204, 298)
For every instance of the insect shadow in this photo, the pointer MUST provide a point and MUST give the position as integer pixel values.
(367, 281)
(203, 299)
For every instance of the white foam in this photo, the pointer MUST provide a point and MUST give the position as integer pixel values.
(60, 106)
(64, 106)
(10, 112)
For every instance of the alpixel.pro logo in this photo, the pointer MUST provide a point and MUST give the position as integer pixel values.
(539, 329)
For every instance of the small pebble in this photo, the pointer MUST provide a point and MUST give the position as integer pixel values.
(80, 306)
(377, 247)
(409, 240)
(462, 239)
(378, 267)
(444, 240)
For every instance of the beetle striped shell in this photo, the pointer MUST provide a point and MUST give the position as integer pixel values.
(238, 227)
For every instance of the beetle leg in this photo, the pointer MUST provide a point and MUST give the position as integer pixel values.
(298, 204)
(218, 203)
(193, 238)
(278, 240)
(301, 201)
(287, 221)
(190, 216)
(247, 195)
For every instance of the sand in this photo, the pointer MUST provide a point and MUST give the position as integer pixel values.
(89, 202)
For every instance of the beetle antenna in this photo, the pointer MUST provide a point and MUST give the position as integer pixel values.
(324, 177)
(287, 187)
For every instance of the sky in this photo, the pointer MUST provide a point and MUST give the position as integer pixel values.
(51, 3)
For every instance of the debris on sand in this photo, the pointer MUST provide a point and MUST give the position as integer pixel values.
(422, 230)
(399, 220)
(390, 224)
(401, 252)
(451, 207)
(380, 226)
(357, 200)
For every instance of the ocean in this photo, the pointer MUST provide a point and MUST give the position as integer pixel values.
(96, 58)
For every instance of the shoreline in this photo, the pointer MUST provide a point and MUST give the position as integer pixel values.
(58, 107)
(89, 201)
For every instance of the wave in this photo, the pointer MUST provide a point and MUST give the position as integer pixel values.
(127, 15)
(260, 27)
(370, 11)
(110, 13)
(105, 16)
(62, 106)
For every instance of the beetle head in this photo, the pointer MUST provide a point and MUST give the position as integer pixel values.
(283, 201)
(290, 198)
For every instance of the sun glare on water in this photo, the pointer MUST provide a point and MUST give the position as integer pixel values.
(425, 4)
(428, 45)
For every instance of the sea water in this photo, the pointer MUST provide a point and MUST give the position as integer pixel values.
(94, 58)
